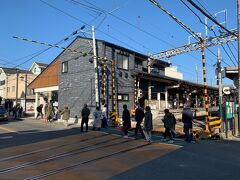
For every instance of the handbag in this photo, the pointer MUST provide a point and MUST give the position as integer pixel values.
(122, 128)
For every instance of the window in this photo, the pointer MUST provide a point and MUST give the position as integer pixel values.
(65, 67)
(8, 89)
(30, 91)
(122, 61)
(138, 63)
(2, 82)
(13, 88)
(123, 97)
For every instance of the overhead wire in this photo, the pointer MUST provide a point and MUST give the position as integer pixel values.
(234, 46)
(77, 19)
(150, 34)
(100, 30)
(216, 22)
(209, 17)
(210, 30)
(214, 31)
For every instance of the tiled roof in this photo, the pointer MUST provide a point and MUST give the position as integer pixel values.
(14, 70)
(41, 64)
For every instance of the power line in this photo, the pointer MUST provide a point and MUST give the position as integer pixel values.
(215, 34)
(233, 46)
(232, 53)
(132, 25)
(204, 7)
(228, 55)
(103, 31)
(210, 30)
(212, 19)
(77, 19)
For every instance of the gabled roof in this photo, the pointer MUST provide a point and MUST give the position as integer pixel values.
(42, 65)
(7, 70)
(39, 64)
(137, 54)
(49, 76)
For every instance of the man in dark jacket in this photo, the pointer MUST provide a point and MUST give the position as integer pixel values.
(169, 123)
(126, 120)
(85, 115)
(187, 118)
(39, 111)
(139, 115)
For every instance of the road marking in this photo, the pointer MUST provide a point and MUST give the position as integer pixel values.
(6, 137)
(9, 130)
(170, 144)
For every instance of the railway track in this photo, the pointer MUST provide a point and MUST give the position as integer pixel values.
(51, 161)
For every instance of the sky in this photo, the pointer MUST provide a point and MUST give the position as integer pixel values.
(134, 24)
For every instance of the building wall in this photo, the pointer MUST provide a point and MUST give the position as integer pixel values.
(36, 69)
(49, 77)
(3, 86)
(172, 72)
(75, 85)
(12, 83)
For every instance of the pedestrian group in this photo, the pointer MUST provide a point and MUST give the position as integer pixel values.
(100, 120)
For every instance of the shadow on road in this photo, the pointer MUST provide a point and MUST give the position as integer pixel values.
(12, 139)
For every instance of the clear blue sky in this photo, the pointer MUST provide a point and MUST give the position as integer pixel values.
(35, 20)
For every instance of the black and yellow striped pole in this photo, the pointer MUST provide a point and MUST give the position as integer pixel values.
(114, 96)
(205, 86)
(135, 92)
(104, 82)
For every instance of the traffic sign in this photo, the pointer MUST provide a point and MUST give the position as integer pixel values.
(226, 90)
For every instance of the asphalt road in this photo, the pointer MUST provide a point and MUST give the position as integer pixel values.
(30, 149)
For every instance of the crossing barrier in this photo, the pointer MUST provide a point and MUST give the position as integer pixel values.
(115, 118)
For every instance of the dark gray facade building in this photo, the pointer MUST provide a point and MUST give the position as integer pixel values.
(76, 85)
(77, 81)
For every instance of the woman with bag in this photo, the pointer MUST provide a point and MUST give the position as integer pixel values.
(97, 119)
(148, 126)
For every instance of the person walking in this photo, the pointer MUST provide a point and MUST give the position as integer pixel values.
(49, 113)
(65, 114)
(168, 125)
(85, 116)
(20, 111)
(126, 120)
(139, 115)
(14, 110)
(97, 119)
(148, 126)
(187, 118)
(39, 111)
(104, 117)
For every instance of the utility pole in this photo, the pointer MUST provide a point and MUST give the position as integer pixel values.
(196, 98)
(202, 43)
(17, 86)
(149, 83)
(219, 69)
(238, 85)
(25, 94)
(95, 66)
(197, 74)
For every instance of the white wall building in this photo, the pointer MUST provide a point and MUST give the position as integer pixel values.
(37, 67)
(173, 72)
